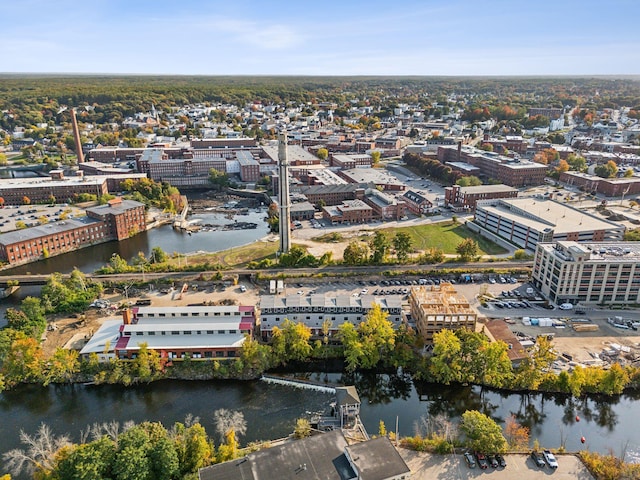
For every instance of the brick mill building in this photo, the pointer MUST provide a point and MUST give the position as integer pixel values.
(117, 220)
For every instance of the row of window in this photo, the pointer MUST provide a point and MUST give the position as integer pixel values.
(185, 332)
(192, 314)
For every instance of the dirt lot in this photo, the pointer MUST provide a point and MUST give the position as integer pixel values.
(74, 331)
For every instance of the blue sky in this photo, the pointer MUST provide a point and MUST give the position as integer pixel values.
(328, 37)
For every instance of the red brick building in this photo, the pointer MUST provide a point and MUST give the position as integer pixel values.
(123, 218)
(350, 211)
(610, 187)
(416, 203)
(464, 198)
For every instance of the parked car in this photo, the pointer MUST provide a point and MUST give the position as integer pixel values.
(482, 460)
(538, 459)
(471, 462)
(493, 462)
(550, 458)
(501, 461)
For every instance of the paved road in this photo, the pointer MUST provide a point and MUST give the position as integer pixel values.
(425, 466)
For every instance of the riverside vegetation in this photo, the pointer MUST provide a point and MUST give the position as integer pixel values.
(458, 357)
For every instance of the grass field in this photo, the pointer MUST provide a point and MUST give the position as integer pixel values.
(444, 236)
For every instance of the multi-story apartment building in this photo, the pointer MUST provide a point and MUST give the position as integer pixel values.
(438, 307)
(385, 206)
(214, 143)
(350, 211)
(588, 273)
(315, 310)
(381, 178)
(116, 221)
(417, 203)
(513, 172)
(332, 194)
(461, 199)
(351, 161)
(610, 187)
(527, 221)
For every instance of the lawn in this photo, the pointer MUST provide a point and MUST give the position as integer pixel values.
(444, 236)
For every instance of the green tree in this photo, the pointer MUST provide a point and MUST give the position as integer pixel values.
(483, 433)
(577, 163)
(467, 249)
(322, 153)
(131, 463)
(356, 253)
(375, 157)
(445, 366)
(20, 225)
(218, 178)
(158, 255)
(61, 367)
(379, 246)
(193, 447)
(607, 170)
(402, 244)
(629, 173)
(469, 181)
(89, 461)
(165, 464)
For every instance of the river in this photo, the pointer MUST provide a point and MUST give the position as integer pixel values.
(271, 410)
(91, 258)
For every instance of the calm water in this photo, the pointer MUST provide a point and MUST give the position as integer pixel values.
(271, 410)
(170, 240)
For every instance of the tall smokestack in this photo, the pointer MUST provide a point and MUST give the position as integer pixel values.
(76, 136)
(283, 194)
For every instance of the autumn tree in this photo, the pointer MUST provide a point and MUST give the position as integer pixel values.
(516, 435)
(467, 249)
(546, 156)
(26, 200)
(562, 167)
(322, 153)
(302, 429)
(607, 170)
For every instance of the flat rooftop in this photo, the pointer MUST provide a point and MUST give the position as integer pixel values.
(371, 175)
(32, 233)
(614, 252)
(542, 214)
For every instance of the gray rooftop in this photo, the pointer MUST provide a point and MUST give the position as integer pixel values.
(32, 233)
(487, 189)
(320, 457)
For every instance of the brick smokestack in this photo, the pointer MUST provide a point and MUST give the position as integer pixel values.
(76, 136)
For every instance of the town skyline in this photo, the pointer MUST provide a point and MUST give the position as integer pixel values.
(337, 39)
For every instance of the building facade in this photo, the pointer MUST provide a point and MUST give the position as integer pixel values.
(463, 199)
(315, 310)
(588, 273)
(350, 211)
(438, 307)
(525, 222)
(200, 333)
(115, 221)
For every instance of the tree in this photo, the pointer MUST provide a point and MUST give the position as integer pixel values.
(516, 435)
(23, 362)
(193, 447)
(158, 255)
(563, 166)
(469, 181)
(607, 170)
(61, 367)
(322, 153)
(88, 461)
(39, 456)
(445, 364)
(402, 244)
(20, 225)
(356, 253)
(1, 202)
(303, 428)
(375, 157)
(218, 178)
(483, 433)
(467, 249)
(229, 421)
(629, 173)
(379, 247)
(577, 163)
(26, 200)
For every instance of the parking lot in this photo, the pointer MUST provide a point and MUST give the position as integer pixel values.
(33, 215)
(445, 467)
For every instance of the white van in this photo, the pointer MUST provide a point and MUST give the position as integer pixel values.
(566, 306)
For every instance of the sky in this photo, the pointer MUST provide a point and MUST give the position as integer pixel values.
(327, 37)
